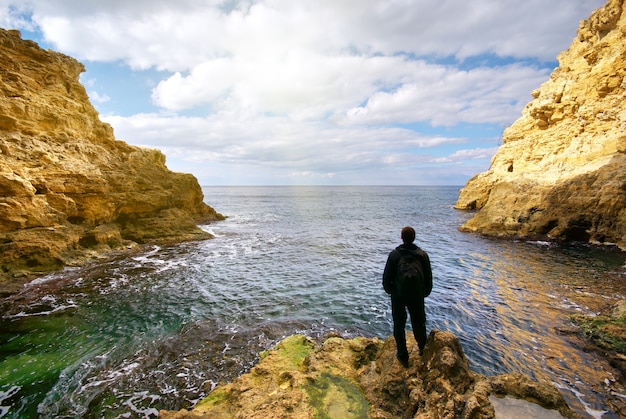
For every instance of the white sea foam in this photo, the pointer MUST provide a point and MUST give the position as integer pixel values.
(144, 412)
(211, 231)
(4, 395)
(69, 305)
(153, 251)
(109, 377)
(581, 398)
(542, 243)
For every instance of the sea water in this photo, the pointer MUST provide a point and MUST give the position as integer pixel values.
(159, 329)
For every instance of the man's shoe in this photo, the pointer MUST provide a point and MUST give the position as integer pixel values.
(404, 360)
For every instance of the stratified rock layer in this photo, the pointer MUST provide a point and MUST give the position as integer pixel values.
(361, 378)
(561, 172)
(68, 189)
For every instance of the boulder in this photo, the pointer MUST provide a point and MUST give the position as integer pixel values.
(70, 191)
(561, 170)
(361, 378)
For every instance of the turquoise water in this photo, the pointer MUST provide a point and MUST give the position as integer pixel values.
(159, 329)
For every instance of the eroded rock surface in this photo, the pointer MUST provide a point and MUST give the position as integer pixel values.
(361, 378)
(561, 171)
(68, 189)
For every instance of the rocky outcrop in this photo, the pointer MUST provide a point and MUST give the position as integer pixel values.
(68, 189)
(606, 331)
(361, 378)
(561, 171)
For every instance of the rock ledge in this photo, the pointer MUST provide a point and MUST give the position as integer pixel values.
(361, 378)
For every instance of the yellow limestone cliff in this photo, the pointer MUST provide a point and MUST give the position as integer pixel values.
(68, 189)
(561, 171)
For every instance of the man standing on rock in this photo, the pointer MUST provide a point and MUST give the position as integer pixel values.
(408, 279)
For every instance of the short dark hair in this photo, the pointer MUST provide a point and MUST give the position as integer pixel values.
(408, 235)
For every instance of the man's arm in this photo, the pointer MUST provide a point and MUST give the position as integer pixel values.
(428, 275)
(389, 274)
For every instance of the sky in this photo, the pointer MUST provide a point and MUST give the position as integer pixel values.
(294, 92)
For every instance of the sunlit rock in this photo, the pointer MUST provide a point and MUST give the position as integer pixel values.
(561, 171)
(69, 191)
(361, 378)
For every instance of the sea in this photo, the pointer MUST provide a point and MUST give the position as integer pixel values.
(160, 327)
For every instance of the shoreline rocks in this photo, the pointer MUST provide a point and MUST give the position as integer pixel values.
(606, 334)
(69, 191)
(362, 378)
(561, 170)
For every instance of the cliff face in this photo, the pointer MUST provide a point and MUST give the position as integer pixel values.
(68, 189)
(561, 171)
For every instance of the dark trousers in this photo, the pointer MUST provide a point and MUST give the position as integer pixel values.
(416, 309)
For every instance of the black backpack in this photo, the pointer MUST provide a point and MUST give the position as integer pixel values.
(410, 278)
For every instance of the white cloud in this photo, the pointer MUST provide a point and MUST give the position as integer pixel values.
(472, 154)
(299, 83)
(446, 96)
(180, 35)
(394, 89)
(97, 97)
(277, 142)
(304, 89)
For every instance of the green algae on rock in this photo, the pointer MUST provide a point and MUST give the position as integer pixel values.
(361, 378)
(334, 396)
(608, 332)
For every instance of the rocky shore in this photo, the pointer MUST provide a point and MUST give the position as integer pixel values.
(606, 332)
(69, 191)
(560, 173)
(361, 378)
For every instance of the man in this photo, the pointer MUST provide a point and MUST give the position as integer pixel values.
(408, 296)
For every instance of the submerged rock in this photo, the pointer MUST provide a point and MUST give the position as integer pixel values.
(607, 332)
(361, 378)
(561, 170)
(69, 191)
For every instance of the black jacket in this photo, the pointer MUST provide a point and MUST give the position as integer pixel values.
(391, 268)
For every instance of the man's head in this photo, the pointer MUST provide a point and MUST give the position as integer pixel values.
(408, 235)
